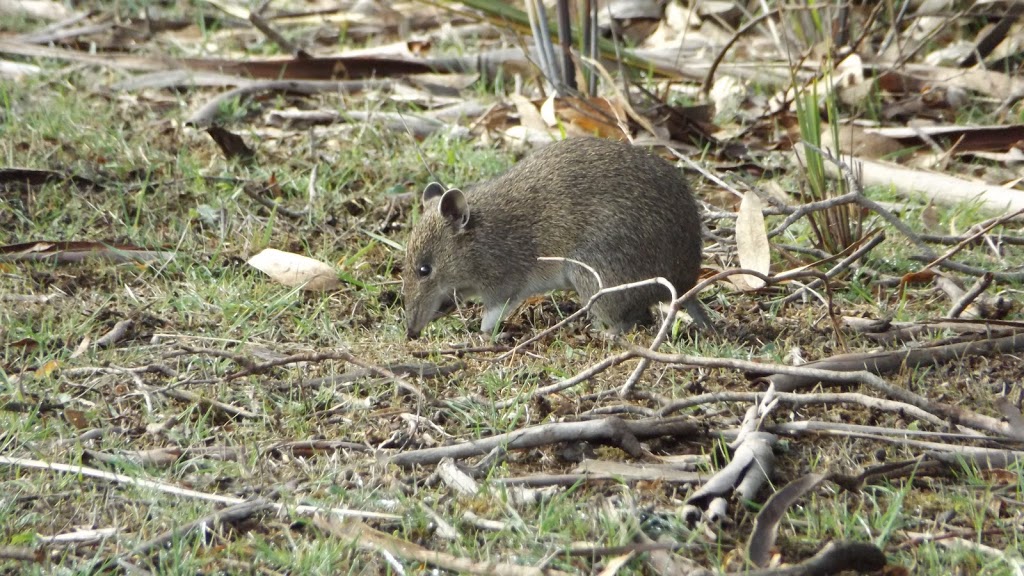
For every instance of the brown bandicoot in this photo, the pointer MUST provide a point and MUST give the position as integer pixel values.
(617, 208)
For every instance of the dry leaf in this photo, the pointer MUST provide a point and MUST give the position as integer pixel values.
(72, 252)
(76, 418)
(295, 270)
(856, 140)
(616, 563)
(766, 525)
(930, 216)
(47, 369)
(529, 116)
(728, 94)
(751, 242)
(593, 116)
(547, 112)
(921, 277)
(82, 347)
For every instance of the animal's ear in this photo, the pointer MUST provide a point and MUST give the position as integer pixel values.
(433, 190)
(454, 208)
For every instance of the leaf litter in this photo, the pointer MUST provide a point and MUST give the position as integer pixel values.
(169, 387)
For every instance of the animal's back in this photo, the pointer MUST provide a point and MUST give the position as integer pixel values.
(596, 197)
(613, 206)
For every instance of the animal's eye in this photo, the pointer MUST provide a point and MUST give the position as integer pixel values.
(424, 270)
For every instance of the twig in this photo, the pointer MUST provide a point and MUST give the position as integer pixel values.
(145, 390)
(945, 239)
(119, 331)
(953, 413)
(895, 360)
(617, 409)
(237, 358)
(797, 400)
(179, 491)
(875, 240)
(193, 398)
(887, 332)
(666, 325)
(927, 253)
(459, 352)
(706, 173)
(970, 296)
(369, 539)
(600, 551)
(256, 18)
(709, 78)
(975, 271)
(256, 192)
(805, 209)
(583, 376)
(229, 515)
(972, 238)
(625, 434)
(428, 370)
(896, 435)
(205, 115)
(330, 355)
(590, 302)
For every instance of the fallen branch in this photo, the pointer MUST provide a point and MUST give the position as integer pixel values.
(796, 400)
(896, 360)
(204, 117)
(614, 431)
(229, 515)
(843, 265)
(887, 332)
(183, 492)
(256, 191)
(954, 413)
(674, 307)
(834, 558)
(371, 540)
(331, 355)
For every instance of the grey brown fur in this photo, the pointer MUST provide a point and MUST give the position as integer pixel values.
(615, 207)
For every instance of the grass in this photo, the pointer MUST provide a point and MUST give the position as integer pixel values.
(164, 188)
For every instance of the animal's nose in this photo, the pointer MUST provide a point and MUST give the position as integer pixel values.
(412, 334)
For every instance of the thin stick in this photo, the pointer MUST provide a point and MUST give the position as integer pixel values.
(796, 399)
(875, 240)
(927, 252)
(590, 302)
(970, 296)
(692, 293)
(229, 515)
(954, 413)
(179, 491)
(973, 237)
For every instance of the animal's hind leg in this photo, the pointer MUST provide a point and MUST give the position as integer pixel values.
(617, 312)
(620, 312)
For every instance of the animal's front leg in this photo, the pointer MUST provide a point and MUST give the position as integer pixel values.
(495, 313)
